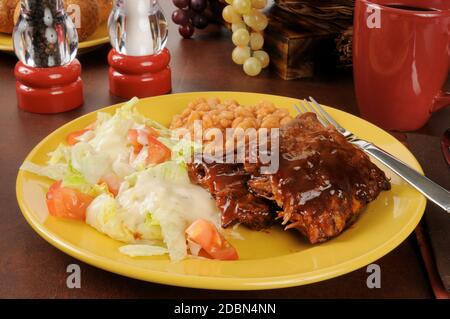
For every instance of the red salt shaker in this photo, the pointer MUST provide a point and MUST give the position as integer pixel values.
(140, 76)
(46, 43)
(139, 61)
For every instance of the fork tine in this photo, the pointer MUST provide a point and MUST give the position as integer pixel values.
(325, 114)
(302, 105)
(319, 116)
(313, 110)
(297, 109)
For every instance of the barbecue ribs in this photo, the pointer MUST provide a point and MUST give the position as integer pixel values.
(322, 184)
(323, 181)
(227, 183)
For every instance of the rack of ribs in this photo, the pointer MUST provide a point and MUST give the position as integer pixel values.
(322, 184)
(323, 181)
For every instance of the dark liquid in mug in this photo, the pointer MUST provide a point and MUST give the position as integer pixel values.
(409, 8)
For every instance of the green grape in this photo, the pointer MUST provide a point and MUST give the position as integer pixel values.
(230, 15)
(261, 22)
(256, 20)
(241, 37)
(263, 57)
(252, 66)
(240, 54)
(249, 19)
(237, 26)
(229, 1)
(242, 6)
(259, 4)
(256, 41)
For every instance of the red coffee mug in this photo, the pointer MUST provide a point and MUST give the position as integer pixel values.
(401, 58)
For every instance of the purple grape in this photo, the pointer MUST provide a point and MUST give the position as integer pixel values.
(180, 17)
(198, 5)
(216, 8)
(200, 21)
(186, 30)
(181, 3)
(191, 14)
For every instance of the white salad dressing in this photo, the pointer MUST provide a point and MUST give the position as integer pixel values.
(111, 140)
(142, 137)
(173, 205)
(170, 205)
(92, 164)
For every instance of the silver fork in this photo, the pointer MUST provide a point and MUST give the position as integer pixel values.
(427, 187)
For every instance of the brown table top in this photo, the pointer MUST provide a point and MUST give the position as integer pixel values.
(31, 268)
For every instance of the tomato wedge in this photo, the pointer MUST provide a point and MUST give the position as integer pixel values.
(72, 138)
(66, 202)
(133, 136)
(205, 234)
(112, 181)
(157, 152)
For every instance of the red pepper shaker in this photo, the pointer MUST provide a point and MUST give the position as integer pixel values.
(46, 42)
(139, 61)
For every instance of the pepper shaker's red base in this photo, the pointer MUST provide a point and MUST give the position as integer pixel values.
(140, 76)
(49, 90)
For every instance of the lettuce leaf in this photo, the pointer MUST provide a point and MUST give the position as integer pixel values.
(60, 155)
(183, 150)
(170, 171)
(55, 171)
(143, 250)
(74, 179)
(103, 215)
(150, 220)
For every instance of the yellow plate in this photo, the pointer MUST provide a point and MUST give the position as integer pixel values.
(99, 38)
(270, 259)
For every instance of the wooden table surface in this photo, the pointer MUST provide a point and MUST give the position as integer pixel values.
(31, 268)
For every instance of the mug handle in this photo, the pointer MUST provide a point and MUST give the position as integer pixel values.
(440, 101)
